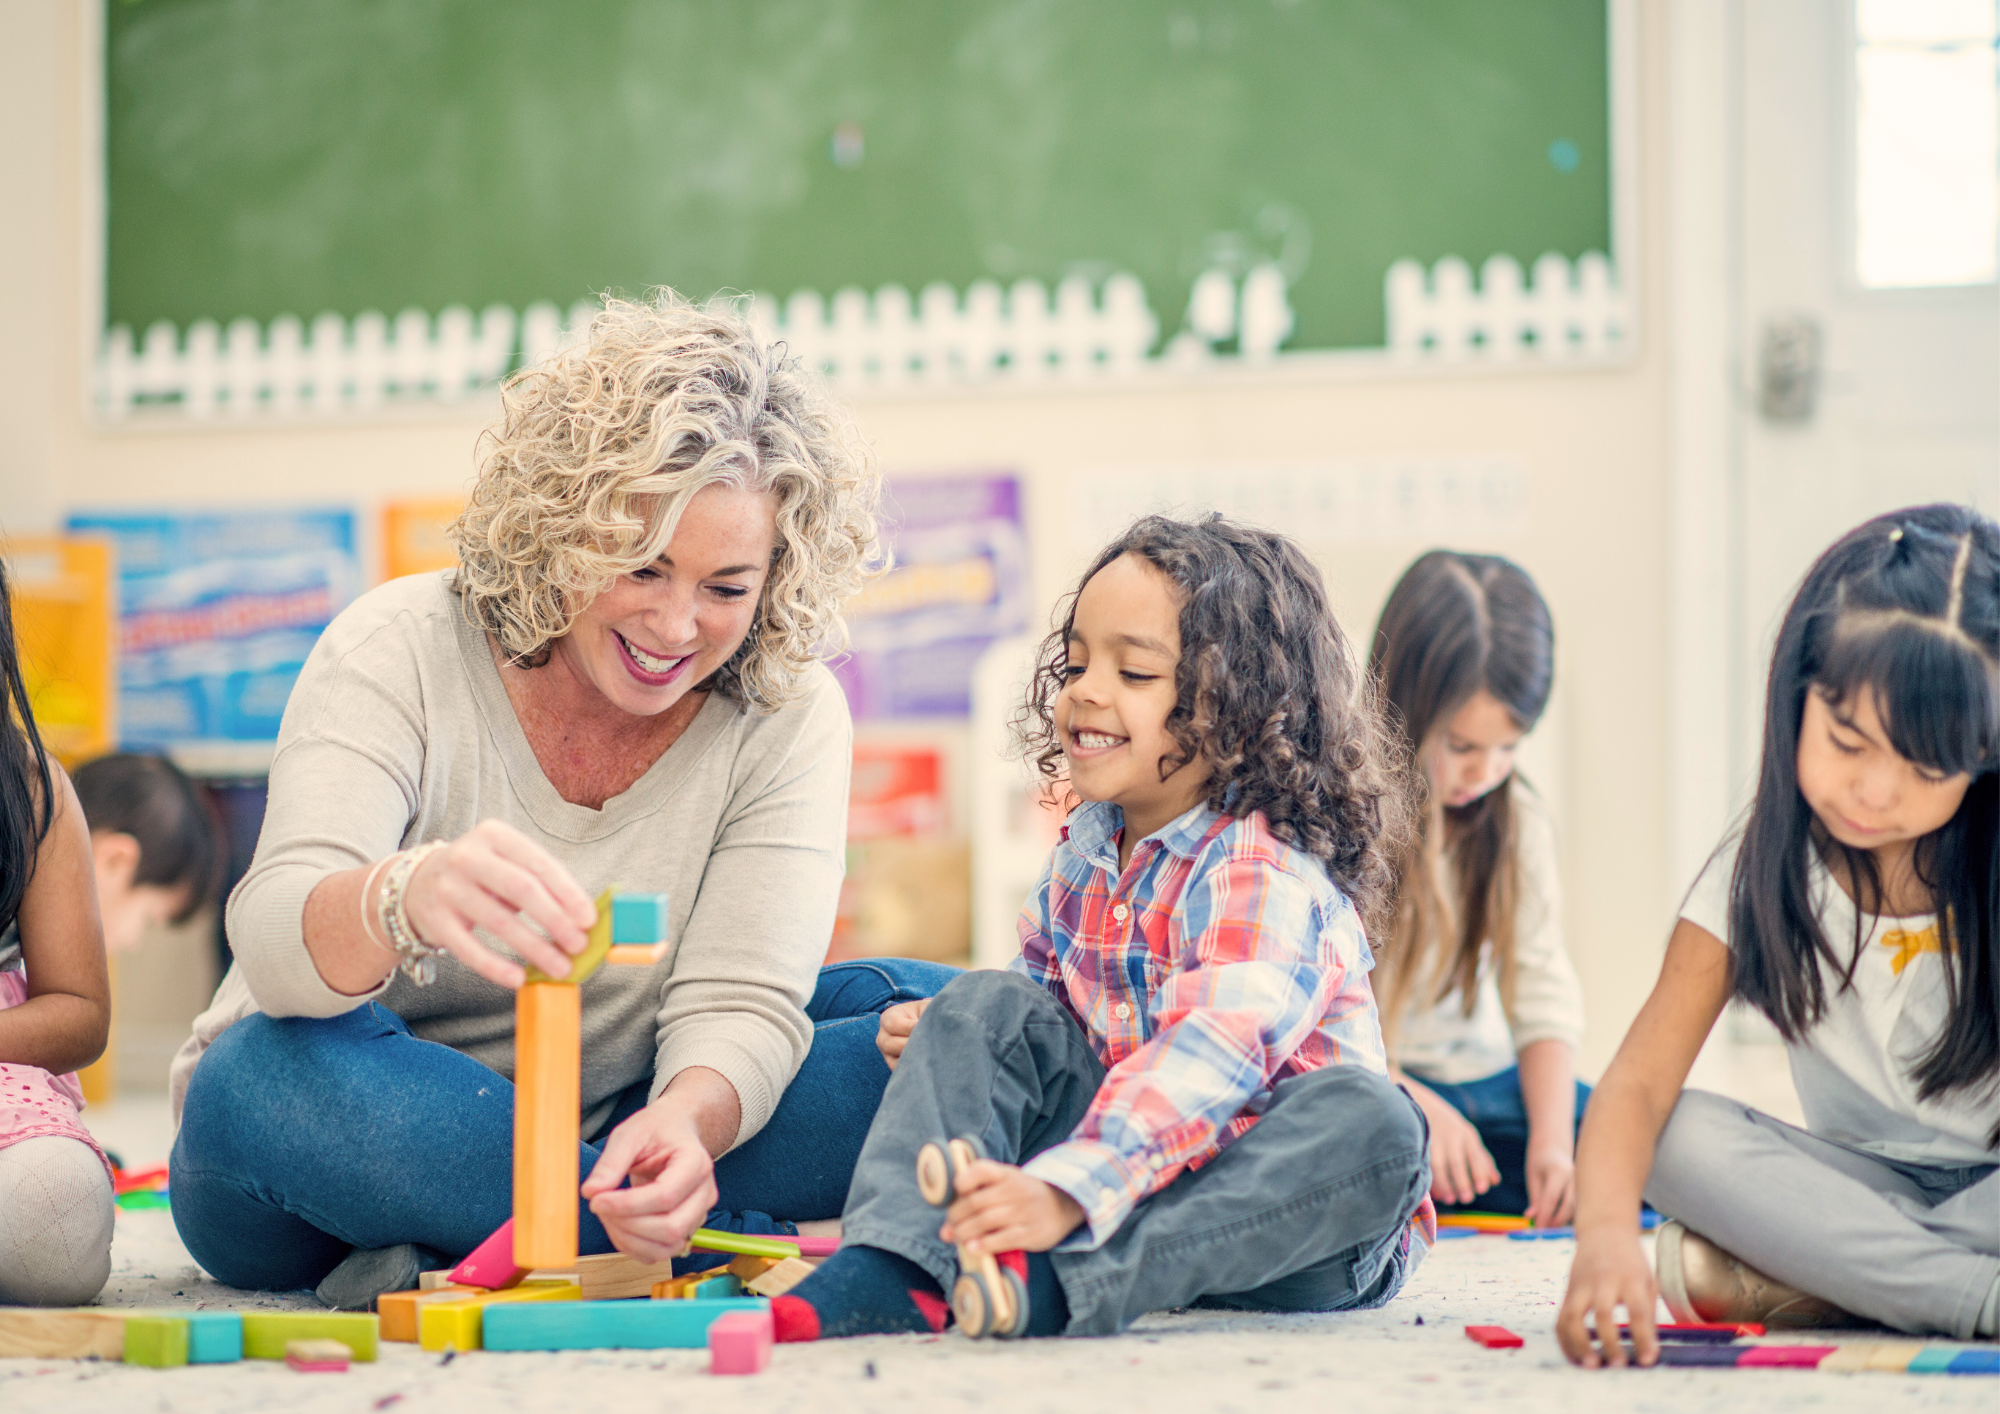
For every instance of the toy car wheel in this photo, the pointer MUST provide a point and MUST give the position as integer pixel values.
(934, 1176)
(1017, 1290)
(972, 1304)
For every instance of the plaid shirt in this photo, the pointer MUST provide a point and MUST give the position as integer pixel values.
(1221, 961)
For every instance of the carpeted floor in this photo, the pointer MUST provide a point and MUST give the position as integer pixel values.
(1412, 1355)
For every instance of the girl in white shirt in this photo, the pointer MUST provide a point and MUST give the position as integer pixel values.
(1856, 909)
(1481, 1008)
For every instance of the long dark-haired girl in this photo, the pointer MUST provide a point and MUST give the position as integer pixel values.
(1856, 909)
(1480, 1005)
(55, 1010)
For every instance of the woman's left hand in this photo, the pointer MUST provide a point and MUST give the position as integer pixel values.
(673, 1183)
(1551, 1183)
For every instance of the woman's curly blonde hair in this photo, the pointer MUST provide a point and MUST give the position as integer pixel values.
(601, 447)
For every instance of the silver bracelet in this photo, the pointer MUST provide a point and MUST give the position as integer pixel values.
(419, 958)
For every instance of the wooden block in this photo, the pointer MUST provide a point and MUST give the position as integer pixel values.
(720, 1286)
(707, 1239)
(267, 1333)
(1894, 1356)
(1783, 1357)
(638, 918)
(310, 1357)
(608, 1325)
(214, 1337)
(61, 1335)
(740, 1343)
(1849, 1358)
(458, 1325)
(1931, 1360)
(159, 1341)
(632, 955)
(1494, 1337)
(1484, 1222)
(781, 1278)
(438, 1280)
(397, 1310)
(490, 1264)
(748, 1268)
(547, 1084)
(609, 1276)
(1975, 1362)
(1725, 1356)
(597, 944)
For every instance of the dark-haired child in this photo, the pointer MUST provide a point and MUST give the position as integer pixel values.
(1179, 1084)
(1480, 1005)
(155, 849)
(55, 1009)
(1856, 909)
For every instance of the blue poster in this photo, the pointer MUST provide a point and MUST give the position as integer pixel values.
(959, 580)
(216, 614)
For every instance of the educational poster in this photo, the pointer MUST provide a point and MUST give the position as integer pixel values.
(413, 538)
(63, 620)
(959, 581)
(216, 614)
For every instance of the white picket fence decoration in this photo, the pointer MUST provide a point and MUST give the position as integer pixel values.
(1024, 334)
(1566, 313)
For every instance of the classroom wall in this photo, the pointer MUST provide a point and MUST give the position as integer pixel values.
(1594, 444)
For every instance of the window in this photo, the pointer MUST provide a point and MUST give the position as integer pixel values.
(1927, 142)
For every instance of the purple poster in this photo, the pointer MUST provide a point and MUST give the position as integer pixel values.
(959, 580)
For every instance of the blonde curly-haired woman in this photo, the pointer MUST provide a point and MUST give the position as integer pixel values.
(619, 685)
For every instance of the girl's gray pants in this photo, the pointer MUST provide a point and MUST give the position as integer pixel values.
(1912, 1246)
(1308, 1211)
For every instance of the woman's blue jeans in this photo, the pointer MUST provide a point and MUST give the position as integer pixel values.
(1497, 1111)
(302, 1139)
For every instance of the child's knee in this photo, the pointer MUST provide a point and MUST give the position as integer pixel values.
(1369, 1112)
(55, 1222)
(1693, 1141)
(989, 996)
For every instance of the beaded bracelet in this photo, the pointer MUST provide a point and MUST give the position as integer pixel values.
(419, 958)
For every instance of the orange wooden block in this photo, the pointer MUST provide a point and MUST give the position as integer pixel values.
(548, 1039)
(398, 1310)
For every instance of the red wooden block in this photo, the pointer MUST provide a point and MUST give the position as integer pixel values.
(1798, 1357)
(740, 1343)
(1494, 1337)
(491, 1264)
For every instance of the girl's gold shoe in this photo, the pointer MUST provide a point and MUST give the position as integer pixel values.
(1701, 1282)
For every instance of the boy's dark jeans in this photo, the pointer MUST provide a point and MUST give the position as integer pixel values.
(1306, 1212)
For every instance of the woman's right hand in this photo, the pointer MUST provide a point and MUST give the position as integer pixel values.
(496, 878)
(1609, 1270)
(894, 1031)
(1461, 1169)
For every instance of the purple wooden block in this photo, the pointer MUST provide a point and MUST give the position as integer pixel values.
(1724, 1355)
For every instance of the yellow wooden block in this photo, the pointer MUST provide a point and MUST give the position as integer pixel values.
(397, 1310)
(60, 1335)
(781, 1278)
(456, 1325)
(747, 1268)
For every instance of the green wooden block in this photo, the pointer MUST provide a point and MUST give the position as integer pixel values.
(708, 1239)
(266, 1332)
(608, 1325)
(159, 1341)
(638, 918)
(1931, 1360)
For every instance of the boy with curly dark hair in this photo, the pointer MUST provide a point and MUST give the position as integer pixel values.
(1177, 1094)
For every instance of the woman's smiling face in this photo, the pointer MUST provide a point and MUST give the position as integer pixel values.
(655, 633)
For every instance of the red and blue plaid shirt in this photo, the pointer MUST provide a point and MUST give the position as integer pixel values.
(1220, 961)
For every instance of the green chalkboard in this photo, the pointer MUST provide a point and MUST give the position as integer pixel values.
(294, 156)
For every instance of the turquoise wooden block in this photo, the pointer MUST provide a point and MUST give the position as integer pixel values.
(1975, 1362)
(1931, 1360)
(214, 1337)
(608, 1325)
(638, 918)
(721, 1288)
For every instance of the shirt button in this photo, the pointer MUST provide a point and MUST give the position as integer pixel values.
(1120, 912)
(1122, 1011)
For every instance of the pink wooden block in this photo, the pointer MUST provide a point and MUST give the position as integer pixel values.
(740, 1343)
(814, 1246)
(1803, 1357)
(491, 1264)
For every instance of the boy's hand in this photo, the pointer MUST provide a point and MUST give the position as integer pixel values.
(1551, 1183)
(1610, 1270)
(896, 1025)
(1001, 1209)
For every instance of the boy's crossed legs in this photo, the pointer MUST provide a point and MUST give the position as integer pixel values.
(1306, 1212)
